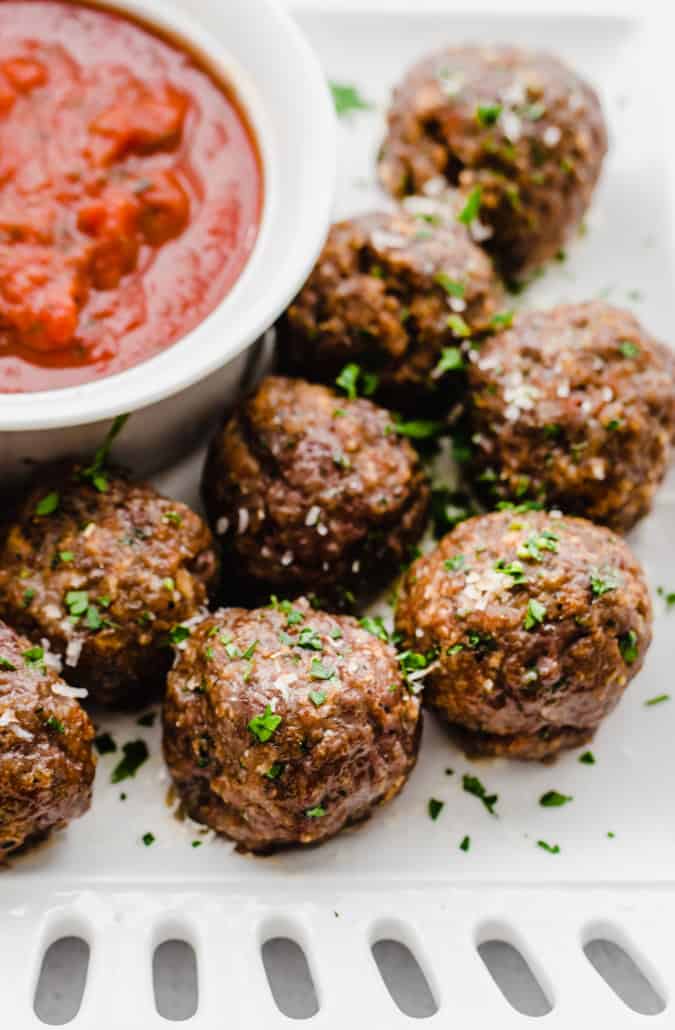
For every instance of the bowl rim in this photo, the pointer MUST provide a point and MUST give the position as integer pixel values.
(190, 359)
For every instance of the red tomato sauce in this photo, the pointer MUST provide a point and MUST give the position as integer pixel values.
(130, 193)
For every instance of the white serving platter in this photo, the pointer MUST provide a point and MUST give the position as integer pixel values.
(402, 876)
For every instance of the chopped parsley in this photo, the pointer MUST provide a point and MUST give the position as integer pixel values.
(535, 614)
(554, 799)
(6, 664)
(502, 320)
(66, 556)
(465, 844)
(455, 563)
(77, 602)
(451, 286)
(148, 839)
(315, 813)
(659, 699)
(147, 720)
(487, 114)
(530, 549)
(588, 758)
(481, 642)
(418, 429)
(629, 349)
(451, 360)
(263, 726)
(135, 754)
(293, 616)
(250, 650)
(469, 212)
(472, 785)
(173, 517)
(95, 473)
(48, 504)
(178, 633)
(104, 744)
(514, 569)
(458, 326)
(320, 671)
(628, 646)
(354, 381)
(435, 807)
(197, 843)
(667, 595)
(274, 771)
(317, 697)
(347, 99)
(309, 639)
(34, 655)
(28, 596)
(603, 580)
(375, 624)
(553, 849)
(55, 724)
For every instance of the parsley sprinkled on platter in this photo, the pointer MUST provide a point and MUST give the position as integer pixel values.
(452, 287)
(553, 849)
(347, 99)
(197, 843)
(603, 580)
(487, 114)
(435, 807)
(55, 724)
(465, 844)
(315, 813)
(535, 614)
(354, 381)
(104, 744)
(668, 596)
(451, 360)
(135, 754)
(95, 473)
(147, 720)
(587, 758)
(472, 785)
(263, 726)
(148, 839)
(48, 504)
(659, 699)
(554, 799)
(469, 212)
(628, 646)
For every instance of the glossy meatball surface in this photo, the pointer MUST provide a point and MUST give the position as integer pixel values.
(390, 292)
(312, 492)
(46, 760)
(537, 623)
(284, 724)
(103, 575)
(518, 130)
(573, 407)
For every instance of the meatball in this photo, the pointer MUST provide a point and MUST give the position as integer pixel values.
(283, 725)
(519, 132)
(534, 623)
(46, 760)
(104, 572)
(390, 292)
(573, 407)
(311, 492)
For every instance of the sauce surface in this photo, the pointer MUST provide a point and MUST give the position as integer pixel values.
(130, 193)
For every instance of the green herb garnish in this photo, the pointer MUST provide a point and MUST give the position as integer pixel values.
(554, 799)
(95, 473)
(347, 99)
(472, 785)
(48, 504)
(135, 754)
(472, 206)
(435, 807)
(263, 726)
(553, 849)
(535, 614)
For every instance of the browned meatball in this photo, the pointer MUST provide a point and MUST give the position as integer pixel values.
(574, 407)
(390, 292)
(519, 128)
(285, 724)
(46, 761)
(536, 624)
(104, 575)
(312, 492)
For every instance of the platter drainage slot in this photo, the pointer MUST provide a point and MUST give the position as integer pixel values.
(174, 980)
(289, 977)
(514, 978)
(623, 975)
(62, 979)
(404, 979)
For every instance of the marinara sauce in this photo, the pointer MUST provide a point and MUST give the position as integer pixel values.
(130, 193)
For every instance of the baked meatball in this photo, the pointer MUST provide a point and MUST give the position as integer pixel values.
(46, 760)
(536, 622)
(574, 407)
(104, 574)
(519, 132)
(390, 292)
(311, 492)
(283, 725)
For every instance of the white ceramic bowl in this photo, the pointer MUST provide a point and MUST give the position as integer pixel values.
(256, 47)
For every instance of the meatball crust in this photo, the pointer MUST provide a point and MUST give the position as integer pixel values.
(390, 291)
(46, 760)
(538, 622)
(104, 575)
(521, 127)
(283, 725)
(574, 407)
(312, 492)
